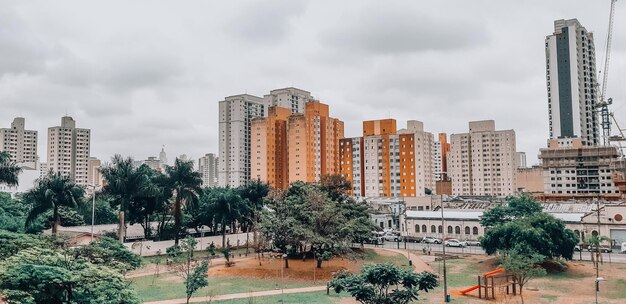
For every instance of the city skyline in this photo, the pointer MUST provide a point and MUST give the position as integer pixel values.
(159, 83)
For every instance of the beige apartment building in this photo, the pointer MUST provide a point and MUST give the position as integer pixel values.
(68, 150)
(386, 162)
(483, 161)
(207, 166)
(95, 177)
(289, 146)
(21, 144)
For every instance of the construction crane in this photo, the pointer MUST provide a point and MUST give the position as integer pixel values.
(603, 104)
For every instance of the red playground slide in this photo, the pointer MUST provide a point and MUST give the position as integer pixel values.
(487, 274)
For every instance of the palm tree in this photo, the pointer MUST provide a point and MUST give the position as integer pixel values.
(53, 191)
(187, 187)
(227, 207)
(9, 170)
(123, 182)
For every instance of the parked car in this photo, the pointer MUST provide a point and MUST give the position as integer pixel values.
(391, 237)
(623, 248)
(604, 249)
(413, 239)
(432, 240)
(455, 243)
(375, 240)
(577, 248)
(472, 243)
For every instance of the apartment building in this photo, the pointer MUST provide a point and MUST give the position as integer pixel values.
(483, 161)
(386, 162)
(571, 82)
(95, 177)
(21, 144)
(207, 166)
(289, 147)
(68, 150)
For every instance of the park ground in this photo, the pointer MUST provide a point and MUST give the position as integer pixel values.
(249, 282)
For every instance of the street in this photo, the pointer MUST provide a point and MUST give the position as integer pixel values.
(613, 257)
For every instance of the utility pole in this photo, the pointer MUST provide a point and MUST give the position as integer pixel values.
(598, 250)
(446, 299)
(93, 210)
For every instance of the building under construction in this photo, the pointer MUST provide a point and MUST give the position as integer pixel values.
(573, 171)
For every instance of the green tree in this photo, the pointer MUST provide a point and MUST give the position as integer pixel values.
(523, 263)
(44, 275)
(109, 252)
(105, 214)
(541, 232)
(335, 185)
(9, 170)
(226, 207)
(123, 182)
(253, 194)
(517, 207)
(12, 213)
(13, 242)
(51, 193)
(187, 186)
(194, 274)
(151, 201)
(384, 284)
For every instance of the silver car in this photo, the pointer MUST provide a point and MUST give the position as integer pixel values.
(455, 243)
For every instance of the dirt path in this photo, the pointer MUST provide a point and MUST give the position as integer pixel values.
(418, 264)
(244, 295)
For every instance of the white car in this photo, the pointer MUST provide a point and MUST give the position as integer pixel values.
(390, 237)
(455, 243)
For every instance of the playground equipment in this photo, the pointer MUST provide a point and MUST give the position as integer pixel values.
(488, 282)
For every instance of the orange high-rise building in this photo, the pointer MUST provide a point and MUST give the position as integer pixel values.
(388, 162)
(289, 147)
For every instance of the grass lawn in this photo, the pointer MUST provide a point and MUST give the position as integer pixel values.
(169, 286)
(307, 297)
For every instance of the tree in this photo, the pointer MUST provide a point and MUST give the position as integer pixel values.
(384, 284)
(336, 185)
(9, 170)
(46, 275)
(109, 252)
(152, 199)
(517, 207)
(226, 207)
(13, 242)
(51, 193)
(123, 182)
(253, 194)
(186, 184)
(12, 213)
(523, 263)
(103, 211)
(193, 274)
(541, 232)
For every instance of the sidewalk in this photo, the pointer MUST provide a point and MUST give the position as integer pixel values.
(244, 295)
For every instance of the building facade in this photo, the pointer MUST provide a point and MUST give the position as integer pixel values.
(571, 82)
(21, 144)
(386, 162)
(483, 161)
(95, 177)
(68, 150)
(289, 147)
(571, 169)
(207, 166)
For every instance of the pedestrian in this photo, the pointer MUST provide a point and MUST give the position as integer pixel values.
(429, 250)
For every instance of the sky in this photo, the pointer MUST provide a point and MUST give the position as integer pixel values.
(143, 74)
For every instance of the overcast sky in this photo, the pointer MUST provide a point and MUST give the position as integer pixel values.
(141, 74)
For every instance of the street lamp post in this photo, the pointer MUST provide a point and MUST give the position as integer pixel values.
(443, 246)
(93, 209)
(406, 234)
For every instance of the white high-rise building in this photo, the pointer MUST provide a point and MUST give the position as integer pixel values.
(437, 161)
(236, 113)
(21, 144)
(207, 166)
(572, 83)
(483, 161)
(68, 150)
(290, 98)
(521, 159)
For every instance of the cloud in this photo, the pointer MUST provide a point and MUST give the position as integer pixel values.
(393, 29)
(266, 22)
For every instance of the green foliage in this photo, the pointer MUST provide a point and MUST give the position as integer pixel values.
(173, 252)
(384, 284)
(12, 213)
(11, 243)
(105, 214)
(50, 193)
(197, 279)
(42, 275)
(306, 215)
(68, 217)
(540, 232)
(9, 170)
(187, 186)
(517, 207)
(523, 263)
(109, 252)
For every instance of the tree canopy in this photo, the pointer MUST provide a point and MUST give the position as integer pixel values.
(517, 207)
(384, 284)
(9, 170)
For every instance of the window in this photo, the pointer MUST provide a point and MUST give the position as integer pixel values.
(433, 229)
(475, 231)
(417, 228)
(457, 230)
(449, 229)
(440, 229)
(467, 230)
(424, 228)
